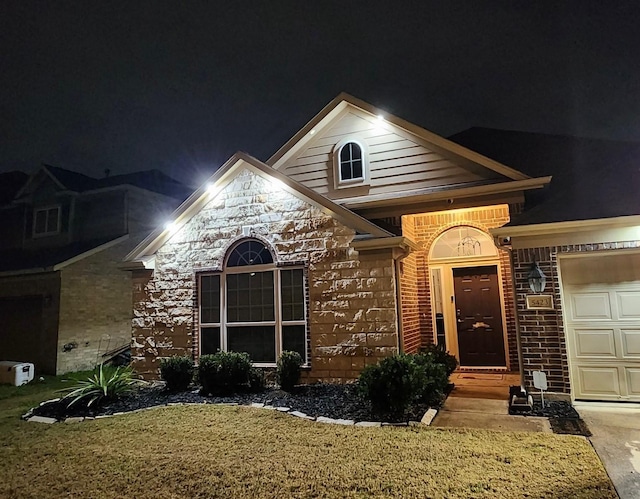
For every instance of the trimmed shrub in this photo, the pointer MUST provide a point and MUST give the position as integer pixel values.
(106, 384)
(288, 370)
(393, 384)
(177, 371)
(434, 382)
(223, 373)
(440, 356)
(257, 380)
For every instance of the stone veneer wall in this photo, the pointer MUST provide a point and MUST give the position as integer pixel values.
(95, 309)
(352, 318)
(425, 228)
(542, 336)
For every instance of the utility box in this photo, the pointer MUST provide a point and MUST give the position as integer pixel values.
(16, 373)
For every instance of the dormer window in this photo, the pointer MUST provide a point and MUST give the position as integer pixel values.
(46, 221)
(350, 163)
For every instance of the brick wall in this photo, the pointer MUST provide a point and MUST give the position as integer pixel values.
(424, 229)
(352, 311)
(411, 290)
(95, 309)
(542, 335)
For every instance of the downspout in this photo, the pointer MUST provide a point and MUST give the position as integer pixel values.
(516, 315)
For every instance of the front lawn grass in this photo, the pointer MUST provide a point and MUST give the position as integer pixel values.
(214, 451)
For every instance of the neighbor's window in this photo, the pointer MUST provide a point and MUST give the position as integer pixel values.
(253, 306)
(46, 221)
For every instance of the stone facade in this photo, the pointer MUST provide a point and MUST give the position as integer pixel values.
(424, 228)
(95, 309)
(351, 315)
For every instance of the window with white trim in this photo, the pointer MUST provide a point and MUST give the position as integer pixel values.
(350, 162)
(46, 221)
(253, 306)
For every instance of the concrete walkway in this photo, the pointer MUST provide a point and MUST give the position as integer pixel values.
(488, 414)
(616, 439)
(481, 400)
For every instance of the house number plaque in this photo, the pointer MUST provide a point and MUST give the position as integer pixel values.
(539, 302)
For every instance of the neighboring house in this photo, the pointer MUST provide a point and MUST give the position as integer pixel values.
(63, 301)
(364, 235)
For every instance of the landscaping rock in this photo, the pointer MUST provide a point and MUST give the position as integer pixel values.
(42, 419)
(74, 420)
(302, 415)
(337, 402)
(428, 417)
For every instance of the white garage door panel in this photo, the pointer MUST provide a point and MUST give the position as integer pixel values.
(633, 381)
(599, 381)
(590, 306)
(630, 343)
(601, 295)
(628, 305)
(595, 343)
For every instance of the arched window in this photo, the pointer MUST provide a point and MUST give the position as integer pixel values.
(350, 162)
(253, 306)
(462, 242)
(250, 252)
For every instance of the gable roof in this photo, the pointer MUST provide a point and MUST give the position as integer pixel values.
(223, 176)
(17, 261)
(437, 143)
(592, 178)
(151, 180)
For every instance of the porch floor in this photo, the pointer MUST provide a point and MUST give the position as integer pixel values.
(483, 385)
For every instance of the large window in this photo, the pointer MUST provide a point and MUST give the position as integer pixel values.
(253, 306)
(46, 221)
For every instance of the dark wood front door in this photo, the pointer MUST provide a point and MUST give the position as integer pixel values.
(479, 316)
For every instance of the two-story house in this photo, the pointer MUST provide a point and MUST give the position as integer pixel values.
(63, 301)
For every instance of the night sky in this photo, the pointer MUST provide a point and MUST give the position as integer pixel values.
(180, 86)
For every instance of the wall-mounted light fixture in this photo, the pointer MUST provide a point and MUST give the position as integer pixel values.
(537, 279)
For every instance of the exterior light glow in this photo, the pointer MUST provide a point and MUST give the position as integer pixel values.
(312, 132)
(277, 184)
(170, 226)
(212, 189)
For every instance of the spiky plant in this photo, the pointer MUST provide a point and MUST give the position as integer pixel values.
(106, 383)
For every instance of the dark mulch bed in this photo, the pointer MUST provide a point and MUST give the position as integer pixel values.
(333, 401)
(563, 418)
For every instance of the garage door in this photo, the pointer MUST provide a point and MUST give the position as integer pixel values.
(601, 297)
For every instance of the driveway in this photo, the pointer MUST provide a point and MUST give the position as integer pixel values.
(616, 439)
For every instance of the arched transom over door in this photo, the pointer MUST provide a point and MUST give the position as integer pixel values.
(468, 305)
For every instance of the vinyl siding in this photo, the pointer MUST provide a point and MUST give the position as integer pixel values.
(396, 162)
